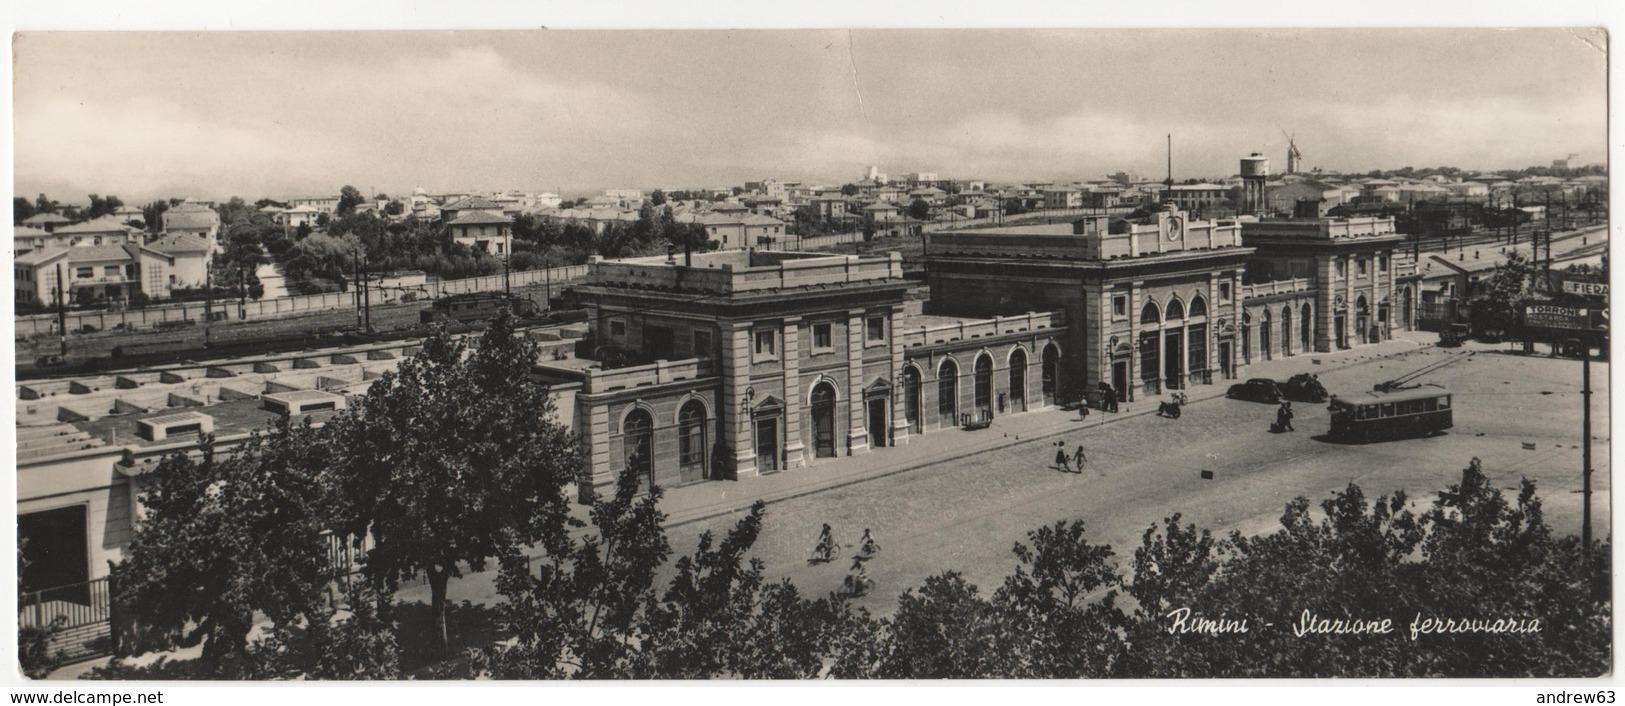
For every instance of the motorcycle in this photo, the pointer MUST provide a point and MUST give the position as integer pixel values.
(1168, 409)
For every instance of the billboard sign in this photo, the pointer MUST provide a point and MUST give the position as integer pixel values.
(1586, 289)
(1559, 317)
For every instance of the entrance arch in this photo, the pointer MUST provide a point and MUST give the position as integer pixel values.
(1286, 330)
(1306, 326)
(1264, 336)
(948, 393)
(823, 419)
(1051, 374)
(984, 385)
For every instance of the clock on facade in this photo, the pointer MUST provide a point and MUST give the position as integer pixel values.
(1176, 228)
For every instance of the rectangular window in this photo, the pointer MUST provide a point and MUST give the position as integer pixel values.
(1361, 264)
(702, 344)
(823, 337)
(1120, 306)
(1382, 263)
(85, 272)
(876, 330)
(617, 327)
(1342, 269)
(766, 344)
(110, 270)
(1224, 291)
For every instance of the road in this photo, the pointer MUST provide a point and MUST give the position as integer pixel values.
(966, 515)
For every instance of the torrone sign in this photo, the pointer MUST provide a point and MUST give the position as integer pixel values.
(1564, 317)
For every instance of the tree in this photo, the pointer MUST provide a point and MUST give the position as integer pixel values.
(225, 538)
(1497, 305)
(153, 215)
(349, 198)
(21, 210)
(850, 190)
(45, 205)
(658, 198)
(453, 459)
(919, 210)
(102, 206)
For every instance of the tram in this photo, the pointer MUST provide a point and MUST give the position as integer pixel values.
(1412, 412)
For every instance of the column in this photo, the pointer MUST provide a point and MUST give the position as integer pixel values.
(736, 432)
(1352, 317)
(1185, 351)
(857, 435)
(1134, 305)
(795, 455)
(1162, 353)
(899, 422)
(596, 436)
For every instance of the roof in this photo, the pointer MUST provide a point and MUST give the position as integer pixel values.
(89, 253)
(27, 232)
(190, 219)
(1420, 392)
(44, 218)
(175, 244)
(470, 203)
(41, 256)
(105, 224)
(479, 217)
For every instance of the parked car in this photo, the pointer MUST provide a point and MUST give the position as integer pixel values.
(1256, 390)
(1304, 387)
(50, 361)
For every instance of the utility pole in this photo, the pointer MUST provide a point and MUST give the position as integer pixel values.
(61, 311)
(366, 291)
(208, 301)
(355, 264)
(1585, 454)
(547, 275)
(242, 294)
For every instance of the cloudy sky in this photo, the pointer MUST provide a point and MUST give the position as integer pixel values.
(285, 114)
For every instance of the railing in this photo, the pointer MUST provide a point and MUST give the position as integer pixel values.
(981, 328)
(657, 373)
(79, 604)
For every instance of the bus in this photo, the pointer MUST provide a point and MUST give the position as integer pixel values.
(1423, 410)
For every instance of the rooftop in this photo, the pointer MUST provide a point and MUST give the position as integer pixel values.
(739, 271)
(176, 243)
(479, 217)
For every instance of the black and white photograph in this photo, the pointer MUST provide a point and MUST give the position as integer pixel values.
(808, 354)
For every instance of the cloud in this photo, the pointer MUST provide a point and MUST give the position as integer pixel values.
(136, 145)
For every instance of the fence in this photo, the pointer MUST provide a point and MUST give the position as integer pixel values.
(86, 612)
(158, 316)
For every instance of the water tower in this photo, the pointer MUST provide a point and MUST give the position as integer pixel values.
(1255, 170)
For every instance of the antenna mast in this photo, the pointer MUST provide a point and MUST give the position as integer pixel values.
(1167, 192)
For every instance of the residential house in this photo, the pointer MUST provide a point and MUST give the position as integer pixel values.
(485, 231)
(194, 220)
(191, 259)
(92, 272)
(47, 222)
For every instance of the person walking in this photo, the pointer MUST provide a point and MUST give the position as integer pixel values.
(1060, 458)
(1286, 419)
(1078, 459)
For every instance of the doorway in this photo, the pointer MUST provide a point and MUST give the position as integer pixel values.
(1226, 365)
(1018, 381)
(767, 444)
(877, 422)
(637, 445)
(1173, 357)
(55, 550)
(1120, 380)
(823, 417)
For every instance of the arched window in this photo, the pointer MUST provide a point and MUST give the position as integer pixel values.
(948, 393)
(1199, 306)
(823, 419)
(691, 446)
(637, 443)
(1018, 380)
(1149, 314)
(984, 384)
(1176, 310)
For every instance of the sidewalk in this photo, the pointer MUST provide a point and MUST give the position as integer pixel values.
(703, 501)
